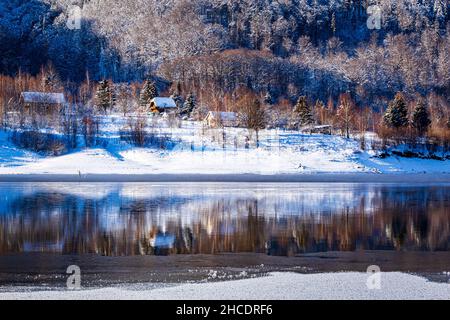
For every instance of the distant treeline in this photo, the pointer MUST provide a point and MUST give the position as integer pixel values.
(420, 122)
(287, 48)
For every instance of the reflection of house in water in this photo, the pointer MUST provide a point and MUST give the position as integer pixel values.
(282, 246)
(162, 243)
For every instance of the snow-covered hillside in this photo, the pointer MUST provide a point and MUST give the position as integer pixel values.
(200, 151)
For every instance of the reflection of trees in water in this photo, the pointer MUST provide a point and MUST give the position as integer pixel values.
(409, 219)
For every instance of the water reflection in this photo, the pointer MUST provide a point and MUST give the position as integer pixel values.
(276, 219)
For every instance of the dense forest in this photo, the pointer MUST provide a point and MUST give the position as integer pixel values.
(288, 47)
(317, 55)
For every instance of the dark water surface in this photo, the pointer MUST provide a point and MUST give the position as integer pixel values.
(178, 226)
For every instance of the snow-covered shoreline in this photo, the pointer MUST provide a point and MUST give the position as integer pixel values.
(420, 178)
(194, 152)
(275, 286)
(138, 161)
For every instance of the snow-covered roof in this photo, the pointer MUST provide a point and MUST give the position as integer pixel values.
(164, 103)
(225, 116)
(43, 97)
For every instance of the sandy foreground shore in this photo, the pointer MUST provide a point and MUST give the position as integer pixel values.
(275, 286)
(319, 177)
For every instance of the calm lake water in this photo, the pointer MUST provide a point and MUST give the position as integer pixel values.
(133, 219)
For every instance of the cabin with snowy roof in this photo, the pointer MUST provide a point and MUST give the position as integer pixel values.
(43, 102)
(216, 119)
(162, 105)
(322, 129)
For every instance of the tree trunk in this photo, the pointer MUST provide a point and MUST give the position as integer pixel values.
(257, 139)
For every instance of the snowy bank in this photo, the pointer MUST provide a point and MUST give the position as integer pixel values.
(194, 152)
(142, 161)
(276, 286)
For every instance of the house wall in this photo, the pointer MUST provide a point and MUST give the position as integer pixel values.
(42, 108)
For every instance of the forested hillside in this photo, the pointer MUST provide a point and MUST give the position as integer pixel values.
(287, 48)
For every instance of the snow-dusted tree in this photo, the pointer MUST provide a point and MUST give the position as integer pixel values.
(268, 98)
(148, 92)
(345, 114)
(189, 105)
(333, 22)
(104, 96)
(126, 101)
(321, 112)
(440, 8)
(185, 41)
(396, 115)
(252, 114)
(50, 80)
(302, 113)
(421, 118)
(176, 96)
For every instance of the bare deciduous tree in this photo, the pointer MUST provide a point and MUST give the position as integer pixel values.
(251, 113)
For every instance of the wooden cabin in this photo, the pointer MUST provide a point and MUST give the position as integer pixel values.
(322, 129)
(216, 119)
(43, 102)
(162, 105)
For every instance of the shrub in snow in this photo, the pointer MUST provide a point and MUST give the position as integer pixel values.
(47, 144)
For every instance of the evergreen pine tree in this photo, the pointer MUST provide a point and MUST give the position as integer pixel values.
(268, 98)
(421, 118)
(176, 96)
(302, 113)
(189, 105)
(104, 96)
(148, 92)
(178, 101)
(396, 115)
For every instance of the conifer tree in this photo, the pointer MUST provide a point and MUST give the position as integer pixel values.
(148, 92)
(302, 113)
(176, 96)
(104, 96)
(396, 115)
(421, 118)
(189, 105)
